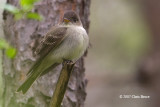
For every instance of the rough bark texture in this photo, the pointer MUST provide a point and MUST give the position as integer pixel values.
(1, 68)
(150, 65)
(23, 35)
(149, 71)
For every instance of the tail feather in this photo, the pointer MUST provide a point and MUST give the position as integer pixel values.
(33, 76)
(28, 83)
(34, 67)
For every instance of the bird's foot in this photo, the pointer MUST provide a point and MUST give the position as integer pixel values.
(66, 61)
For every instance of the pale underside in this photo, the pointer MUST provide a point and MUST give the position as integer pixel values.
(61, 43)
(71, 48)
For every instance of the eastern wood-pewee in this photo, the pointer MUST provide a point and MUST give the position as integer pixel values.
(65, 41)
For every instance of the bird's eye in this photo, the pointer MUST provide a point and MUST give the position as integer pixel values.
(75, 20)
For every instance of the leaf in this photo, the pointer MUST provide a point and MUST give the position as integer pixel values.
(35, 16)
(27, 5)
(3, 44)
(11, 52)
(18, 16)
(11, 8)
(27, 2)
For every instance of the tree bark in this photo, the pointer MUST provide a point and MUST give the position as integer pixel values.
(149, 70)
(23, 35)
(1, 68)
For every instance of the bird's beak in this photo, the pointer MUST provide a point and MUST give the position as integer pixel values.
(66, 20)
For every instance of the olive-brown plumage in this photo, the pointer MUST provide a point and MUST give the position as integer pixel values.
(65, 41)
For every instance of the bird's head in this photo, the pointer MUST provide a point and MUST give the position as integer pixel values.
(71, 18)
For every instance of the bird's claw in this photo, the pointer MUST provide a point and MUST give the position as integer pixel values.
(65, 61)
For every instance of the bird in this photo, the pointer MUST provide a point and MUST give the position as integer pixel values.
(66, 41)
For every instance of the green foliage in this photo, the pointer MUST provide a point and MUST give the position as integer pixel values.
(32, 15)
(11, 8)
(9, 50)
(27, 5)
(3, 44)
(25, 10)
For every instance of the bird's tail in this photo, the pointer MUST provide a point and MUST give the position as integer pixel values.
(37, 71)
(28, 83)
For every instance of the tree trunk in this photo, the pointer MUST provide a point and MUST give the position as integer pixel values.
(1, 68)
(149, 70)
(23, 35)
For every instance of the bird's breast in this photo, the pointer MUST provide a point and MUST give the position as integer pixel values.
(77, 42)
(74, 45)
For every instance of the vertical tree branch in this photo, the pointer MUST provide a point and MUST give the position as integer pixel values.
(61, 85)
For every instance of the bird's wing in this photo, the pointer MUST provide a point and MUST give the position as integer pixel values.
(50, 41)
(53, 38)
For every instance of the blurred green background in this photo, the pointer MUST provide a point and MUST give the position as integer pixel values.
(120, 38)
